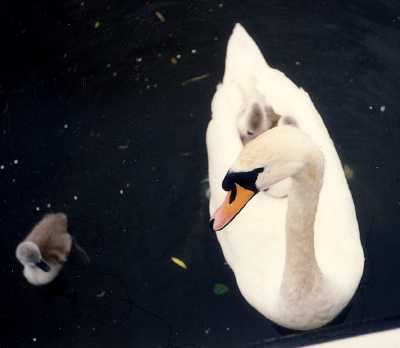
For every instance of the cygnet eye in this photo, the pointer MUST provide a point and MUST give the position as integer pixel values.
(250, 133)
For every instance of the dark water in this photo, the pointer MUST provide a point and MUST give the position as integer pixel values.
(96, 122)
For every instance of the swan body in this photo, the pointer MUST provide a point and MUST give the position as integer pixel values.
(297, 260)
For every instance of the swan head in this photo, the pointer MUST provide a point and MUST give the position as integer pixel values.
(279, 153)
(29, 255)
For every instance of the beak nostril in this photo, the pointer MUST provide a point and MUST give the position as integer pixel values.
(232, 195)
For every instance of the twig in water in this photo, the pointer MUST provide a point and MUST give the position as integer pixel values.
(194, 79)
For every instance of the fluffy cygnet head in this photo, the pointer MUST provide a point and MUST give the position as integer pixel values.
(287, 121)
(28, 253)
(256, 119)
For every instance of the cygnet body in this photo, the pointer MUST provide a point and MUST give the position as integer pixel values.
(45, 249)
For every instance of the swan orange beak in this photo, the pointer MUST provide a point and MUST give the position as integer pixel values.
(234, 202)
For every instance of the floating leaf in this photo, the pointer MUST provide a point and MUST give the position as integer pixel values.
(178, 262)
(173, 60)
(97, 25)
(160, 16)
(220, 289)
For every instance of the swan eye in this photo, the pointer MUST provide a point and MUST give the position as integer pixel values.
(250, 133)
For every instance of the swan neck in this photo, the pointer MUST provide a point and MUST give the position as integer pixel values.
(301, 268)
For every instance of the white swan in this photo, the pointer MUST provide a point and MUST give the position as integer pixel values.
(297, 260)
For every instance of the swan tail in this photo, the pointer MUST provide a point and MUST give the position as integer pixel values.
(242, 57)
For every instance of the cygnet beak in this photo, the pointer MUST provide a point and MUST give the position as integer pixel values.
(44, 266)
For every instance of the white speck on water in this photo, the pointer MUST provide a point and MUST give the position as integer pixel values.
(194, 51)
(48, 205)
(178, 56)
(228, 328)
(82, 3)
(66, 125)
(34, 339)
(65, 55)
(2, 167)
(15, 161)
(108, 66)
(13, 180)
(75, 197)
(207, 331)
(298, 63)
(37, 208)
(121, 192)
(115, 73)
(139, 59)
(93, 328)
(101, 294)
(382, 108)
(370, 107)
(215, 38)
(220, 5)
(78, 326)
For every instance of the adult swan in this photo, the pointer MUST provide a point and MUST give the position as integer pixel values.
(298, 260)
